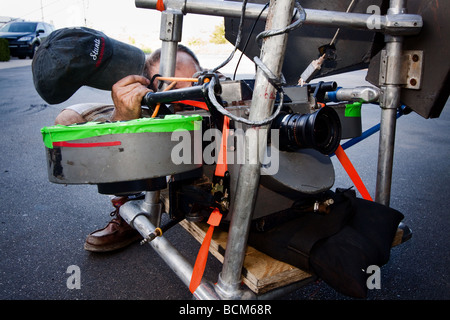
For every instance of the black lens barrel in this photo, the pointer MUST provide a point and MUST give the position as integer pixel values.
(320, 130)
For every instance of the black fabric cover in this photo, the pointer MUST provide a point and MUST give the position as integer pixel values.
(337, 246)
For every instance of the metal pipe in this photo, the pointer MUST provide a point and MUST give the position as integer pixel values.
(152, 205)
(389, 102)
(272, 55)
(170, 35)
(392, 24)
(189, 93)
(262, 105)
(366, 93)
(168, 59)
(132, 213)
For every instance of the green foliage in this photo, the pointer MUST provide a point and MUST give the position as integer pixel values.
(218, 35)
(4, 50)
(195, 42)
(147, 50)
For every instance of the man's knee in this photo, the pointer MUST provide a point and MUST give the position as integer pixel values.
(68, 117)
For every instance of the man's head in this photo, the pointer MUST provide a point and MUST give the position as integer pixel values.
(187, 65)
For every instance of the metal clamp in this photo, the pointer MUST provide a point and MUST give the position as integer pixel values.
(157, 233)
(411, 69)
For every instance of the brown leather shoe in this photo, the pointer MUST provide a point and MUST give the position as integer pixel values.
(116, 235)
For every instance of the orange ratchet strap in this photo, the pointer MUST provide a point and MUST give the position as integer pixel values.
(222, 166)
(200, 262)
(351, 171)
(160, 5)
(215, 216)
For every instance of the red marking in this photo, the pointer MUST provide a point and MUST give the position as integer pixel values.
(194, 103)
(102, 50)
(270, 95)
(86, 145)
(160, 5)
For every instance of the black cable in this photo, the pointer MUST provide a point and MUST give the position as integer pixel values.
(296, 24)
(248, 38)
(272, 79)
(223, 111)
(238, 38)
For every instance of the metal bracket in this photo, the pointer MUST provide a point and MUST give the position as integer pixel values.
(411, 69)
(171, 25)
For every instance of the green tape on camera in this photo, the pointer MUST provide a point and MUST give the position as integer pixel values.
(73, 132)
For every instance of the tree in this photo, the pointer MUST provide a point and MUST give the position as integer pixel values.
(4, 50)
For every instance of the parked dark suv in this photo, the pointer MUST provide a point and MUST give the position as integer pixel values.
(25, 37)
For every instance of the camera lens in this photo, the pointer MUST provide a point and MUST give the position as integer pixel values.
(320, 130)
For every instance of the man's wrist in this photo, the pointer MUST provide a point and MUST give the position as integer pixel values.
(117, 116)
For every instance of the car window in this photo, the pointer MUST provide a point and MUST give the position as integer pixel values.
(5, 28)
(40, 26)
(19, 27)
(48, 28)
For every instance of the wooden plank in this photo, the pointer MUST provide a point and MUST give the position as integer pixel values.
(260, 273)
(398, 238)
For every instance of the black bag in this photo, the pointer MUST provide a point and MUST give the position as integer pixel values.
(337, 246)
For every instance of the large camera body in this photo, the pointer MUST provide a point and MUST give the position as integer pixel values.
(307, 130)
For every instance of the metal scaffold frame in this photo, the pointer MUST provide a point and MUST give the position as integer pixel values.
(394, 25)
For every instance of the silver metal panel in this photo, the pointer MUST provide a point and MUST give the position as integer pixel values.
(354, 48)
(434, 89)
(139, 156)
(306, 171)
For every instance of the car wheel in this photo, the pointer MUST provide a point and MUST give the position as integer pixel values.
(33, 51)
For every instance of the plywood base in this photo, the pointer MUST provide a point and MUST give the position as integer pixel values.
(260, 273)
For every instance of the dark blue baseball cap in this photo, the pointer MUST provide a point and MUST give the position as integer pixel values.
(74, 57)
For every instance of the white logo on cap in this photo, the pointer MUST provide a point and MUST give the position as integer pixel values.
(95, 51)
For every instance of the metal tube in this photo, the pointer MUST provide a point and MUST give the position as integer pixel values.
(152, 205)
(168, 59)
(132, 214)
(368, 94)
(389, 103)
(404, 24)
(211, 7)
(264, 93)
(170, 35)
(189, 93)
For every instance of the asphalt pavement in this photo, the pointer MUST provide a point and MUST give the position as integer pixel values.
(43, 225)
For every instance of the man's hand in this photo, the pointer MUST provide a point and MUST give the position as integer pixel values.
(127, 95)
